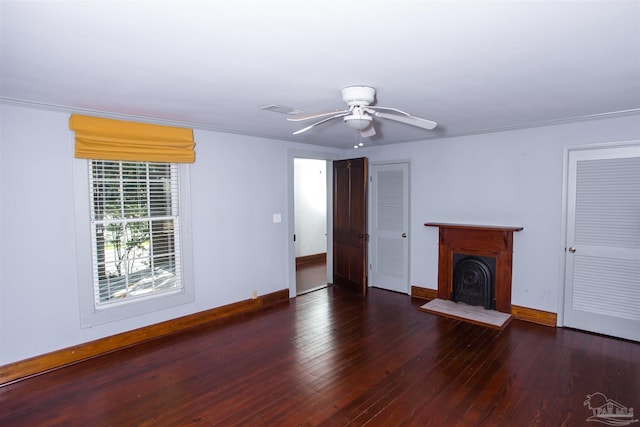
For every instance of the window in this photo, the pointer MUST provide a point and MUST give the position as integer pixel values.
(133, 217)
(133, 238)
(135, 230)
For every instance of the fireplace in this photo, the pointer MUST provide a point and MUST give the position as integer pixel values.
(474, 280)
(474, 264)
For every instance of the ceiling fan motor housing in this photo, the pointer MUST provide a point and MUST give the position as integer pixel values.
(358, 95)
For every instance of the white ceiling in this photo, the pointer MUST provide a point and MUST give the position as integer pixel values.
(471, 66)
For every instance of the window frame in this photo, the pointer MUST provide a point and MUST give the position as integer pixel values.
(90, 315)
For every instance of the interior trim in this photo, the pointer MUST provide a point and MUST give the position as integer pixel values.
(56, 359)
(423, 293)
(203, 126)
(533, 315)
(541, 317)
(312, 259)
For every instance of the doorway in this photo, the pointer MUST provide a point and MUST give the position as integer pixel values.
(602, 247)
(350, 224)
(389, 253)
(328, 158)
(310, 210)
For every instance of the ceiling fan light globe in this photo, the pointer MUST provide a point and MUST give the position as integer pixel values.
(358, 122)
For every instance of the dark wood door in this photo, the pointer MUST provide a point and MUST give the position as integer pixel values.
(350, 224)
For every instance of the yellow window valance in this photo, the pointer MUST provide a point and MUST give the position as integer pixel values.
(108, 139)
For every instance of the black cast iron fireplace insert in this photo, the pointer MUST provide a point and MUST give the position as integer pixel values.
(474, 280)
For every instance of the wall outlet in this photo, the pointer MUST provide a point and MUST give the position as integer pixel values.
(254, 294)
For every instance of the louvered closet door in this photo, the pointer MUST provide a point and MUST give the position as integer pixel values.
(389, 260)
(602, 283)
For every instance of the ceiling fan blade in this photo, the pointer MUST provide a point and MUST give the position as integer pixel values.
(370, 131)
(423, 123)
(301, 117)
(320, 122)
(408, 119)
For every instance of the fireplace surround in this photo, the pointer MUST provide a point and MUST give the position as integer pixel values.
(476, 241)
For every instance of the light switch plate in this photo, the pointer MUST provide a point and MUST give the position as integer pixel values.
(277, 218)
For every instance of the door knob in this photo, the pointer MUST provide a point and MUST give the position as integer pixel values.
(572, 249)
(404, 234)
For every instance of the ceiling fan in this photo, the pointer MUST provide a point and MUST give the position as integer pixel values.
(360, 113)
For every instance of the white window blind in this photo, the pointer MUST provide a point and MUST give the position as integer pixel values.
(135, 233)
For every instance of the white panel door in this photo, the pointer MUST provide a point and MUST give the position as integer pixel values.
(389, 254)
(602, 282)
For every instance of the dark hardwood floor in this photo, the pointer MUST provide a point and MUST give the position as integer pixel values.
(332, 358)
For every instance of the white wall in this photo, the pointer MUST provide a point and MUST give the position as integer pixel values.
(505, 178)
(237, 184)
(310, 195)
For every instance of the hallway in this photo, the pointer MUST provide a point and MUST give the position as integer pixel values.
(310, 276)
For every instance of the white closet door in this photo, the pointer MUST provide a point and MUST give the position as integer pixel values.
(389, 254)
(602, 283)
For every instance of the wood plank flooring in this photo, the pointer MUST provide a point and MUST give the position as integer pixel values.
(331, 358)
